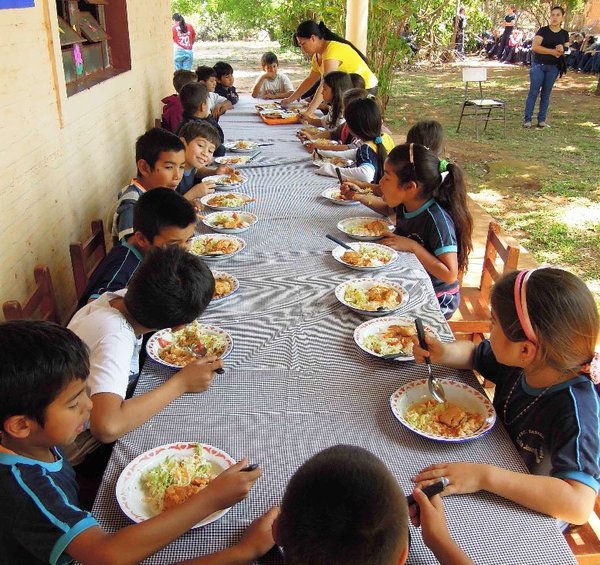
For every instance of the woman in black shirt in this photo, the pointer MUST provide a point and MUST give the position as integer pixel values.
(509, 24)
(548, 48)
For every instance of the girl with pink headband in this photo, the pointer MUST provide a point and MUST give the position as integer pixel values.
(540, 354)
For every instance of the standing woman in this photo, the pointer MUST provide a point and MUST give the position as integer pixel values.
(548, 48)
(509, 24)
(183, 43)
(329, 52)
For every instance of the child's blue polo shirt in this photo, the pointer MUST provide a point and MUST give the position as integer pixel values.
(39, 513)
(556, 430)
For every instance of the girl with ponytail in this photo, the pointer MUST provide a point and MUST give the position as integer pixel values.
(433, 221)
(183, 43)
(329, 52)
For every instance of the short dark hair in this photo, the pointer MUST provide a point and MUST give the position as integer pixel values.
(183, 77)
(38, 360)
(161, 208)
(192, 96)
(562, 10)
(344, 506)
(357, 80)
(170, 287)
(192, 130)
(155, 141)
(268, 58)
(204, 72)
(221, 68)
(429, 133)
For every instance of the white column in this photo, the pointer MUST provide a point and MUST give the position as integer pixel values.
(357, 17)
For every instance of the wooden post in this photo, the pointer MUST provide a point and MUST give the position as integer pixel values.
(357, 23)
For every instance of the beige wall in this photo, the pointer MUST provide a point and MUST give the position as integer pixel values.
(62, 160)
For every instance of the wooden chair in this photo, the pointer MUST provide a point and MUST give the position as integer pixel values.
(157, 123)
(42, 299)
(584, 540)
(86, 256)
(473, 317)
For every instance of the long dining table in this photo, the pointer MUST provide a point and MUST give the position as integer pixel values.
(297, 383)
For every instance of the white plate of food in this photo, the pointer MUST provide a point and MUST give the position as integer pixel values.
(225, 286)
(334, 195)
(167, 475)
(241, 146)
(371, 296)
(230, 222)
(226, 201)
(365, 256)
(180, 348)
(365, 228)
(278, 114)
(336, 161)
(232, 160)
(216, 247)
(321, 142)
(467, 414)
(225, 181)
(392, 335)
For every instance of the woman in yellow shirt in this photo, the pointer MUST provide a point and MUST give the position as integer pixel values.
(329, 52)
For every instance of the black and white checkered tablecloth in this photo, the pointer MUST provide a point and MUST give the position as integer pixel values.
(296, 382)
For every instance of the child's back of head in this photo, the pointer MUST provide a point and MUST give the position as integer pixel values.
(159, 209)
(38, 359)
(343, 506)
(429, 133)
(182, 77)
(562, 312)
(193, 95)
(205, 72)
(357, 80)
(414, 162)
(171, 287)
(338, 82)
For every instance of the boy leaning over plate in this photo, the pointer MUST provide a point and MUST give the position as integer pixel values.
(43, 407)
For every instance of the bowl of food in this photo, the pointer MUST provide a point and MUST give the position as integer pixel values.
(371, 296)
(336, 161)
(321, 142)
(168, 475)
(392, 335)
(334, 195)
(226, 285)
(230, 222)
(365, 256)
(226, 201)
(365, 228)
(466, 415)
(180, 348)
(225, 181)
(241, 146)
(216, 247)
(232, 160)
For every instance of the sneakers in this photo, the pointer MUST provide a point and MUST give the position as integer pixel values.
(542, 125)
(527, 125)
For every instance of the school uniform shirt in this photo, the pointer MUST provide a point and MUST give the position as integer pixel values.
(228, 92)
(219, 151)
(123, 218)
(113, 273)
(281, 83)
(187, 181)
(39, 513)
(350, 62)
(432, 227)
(172, 113)
(114, 358)
(550, 39)
(214, 99)
(559, 435)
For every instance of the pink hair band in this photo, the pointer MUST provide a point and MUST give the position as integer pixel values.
(521, 303)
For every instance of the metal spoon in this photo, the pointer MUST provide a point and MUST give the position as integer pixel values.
(339, 175)
(435, 388)
(197, 355)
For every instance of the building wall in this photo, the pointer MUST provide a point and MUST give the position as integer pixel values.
(63, 159)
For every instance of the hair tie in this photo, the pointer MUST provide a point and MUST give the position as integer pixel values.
(378, 140)
(520, 294)
(443, 166)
